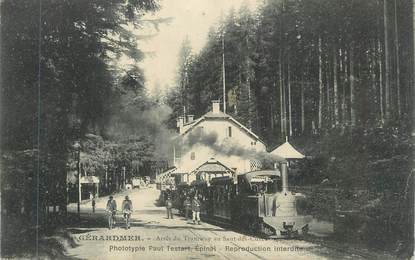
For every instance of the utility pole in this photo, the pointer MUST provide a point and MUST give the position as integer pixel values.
(106, 176)
(223, 72)
(174, 155)
(123, 171)
(77, 147)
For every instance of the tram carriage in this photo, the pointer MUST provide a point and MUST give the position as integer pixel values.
(182, 190)
(223, 193)
(258, 202)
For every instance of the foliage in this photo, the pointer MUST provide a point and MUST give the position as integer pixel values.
(326, 74)
(60, 84)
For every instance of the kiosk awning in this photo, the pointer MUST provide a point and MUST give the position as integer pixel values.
(287, 151)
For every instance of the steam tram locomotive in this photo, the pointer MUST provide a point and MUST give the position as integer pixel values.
(259, 202)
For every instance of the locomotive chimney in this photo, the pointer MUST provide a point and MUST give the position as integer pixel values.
(284, 177)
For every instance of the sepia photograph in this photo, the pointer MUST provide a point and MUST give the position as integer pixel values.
(207, 129)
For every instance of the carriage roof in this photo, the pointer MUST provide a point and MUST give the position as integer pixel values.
(262, 173)
(221, 179)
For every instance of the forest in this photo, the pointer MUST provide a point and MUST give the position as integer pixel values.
(336, 78)
(68, 108)
(296, 68)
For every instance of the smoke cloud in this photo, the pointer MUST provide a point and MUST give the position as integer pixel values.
(198, 136)
(147, 124)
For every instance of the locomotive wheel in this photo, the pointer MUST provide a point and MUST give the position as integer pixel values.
(252, 226)
(248, 224)
(265, 229)
(255, 226)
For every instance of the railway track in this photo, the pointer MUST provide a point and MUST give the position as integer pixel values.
(193, 232)
(341, 248)
(349, 249)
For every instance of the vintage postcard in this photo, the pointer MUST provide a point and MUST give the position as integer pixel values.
(207, 129)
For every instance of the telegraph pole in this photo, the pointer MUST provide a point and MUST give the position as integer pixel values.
(223, 72)
(123, 170)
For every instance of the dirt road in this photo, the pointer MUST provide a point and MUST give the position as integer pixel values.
(153, 236)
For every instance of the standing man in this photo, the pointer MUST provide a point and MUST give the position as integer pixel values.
(127, 208)
(93, 204)
(111, 209)
(187, 204)
(169, 206)
(196, 210)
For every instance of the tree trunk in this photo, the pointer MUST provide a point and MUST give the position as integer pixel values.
(248, 86)
(284, 101)
(380, 64)
(272, 112)
(289, 101)
(372, 71)
(352, 86)
(398, 92)
(320, 85)
(387, 61)
(344, 82)
(335, 88)
(412, 71)
(281, 97)
(302, 107)
(328, 98)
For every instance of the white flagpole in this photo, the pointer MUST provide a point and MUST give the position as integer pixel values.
(223, 72)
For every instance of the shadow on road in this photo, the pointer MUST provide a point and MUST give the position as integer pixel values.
(152, 225)
(95, 221)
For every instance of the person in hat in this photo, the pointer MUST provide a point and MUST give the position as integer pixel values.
(93, 204)
(196, 210)
(187, 204)
(169, 207)
(111, 209)
(127, 208)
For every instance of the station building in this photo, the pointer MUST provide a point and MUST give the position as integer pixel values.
(215, 144)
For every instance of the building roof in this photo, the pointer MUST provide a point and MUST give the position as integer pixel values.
(287, 151)
(164, 175)
(89, 179)
(219, 115)
(184, 169)
(213, 166)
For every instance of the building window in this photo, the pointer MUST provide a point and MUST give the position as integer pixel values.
(230, 131)
(192, 156)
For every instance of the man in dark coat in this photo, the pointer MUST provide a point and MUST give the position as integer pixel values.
(169, 206)
(187, 204)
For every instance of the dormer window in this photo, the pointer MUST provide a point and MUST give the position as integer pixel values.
(230, 131)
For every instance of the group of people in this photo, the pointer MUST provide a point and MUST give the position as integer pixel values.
(188, 205)
(126, 207)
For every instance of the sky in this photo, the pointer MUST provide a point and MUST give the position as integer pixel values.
(190, 18)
